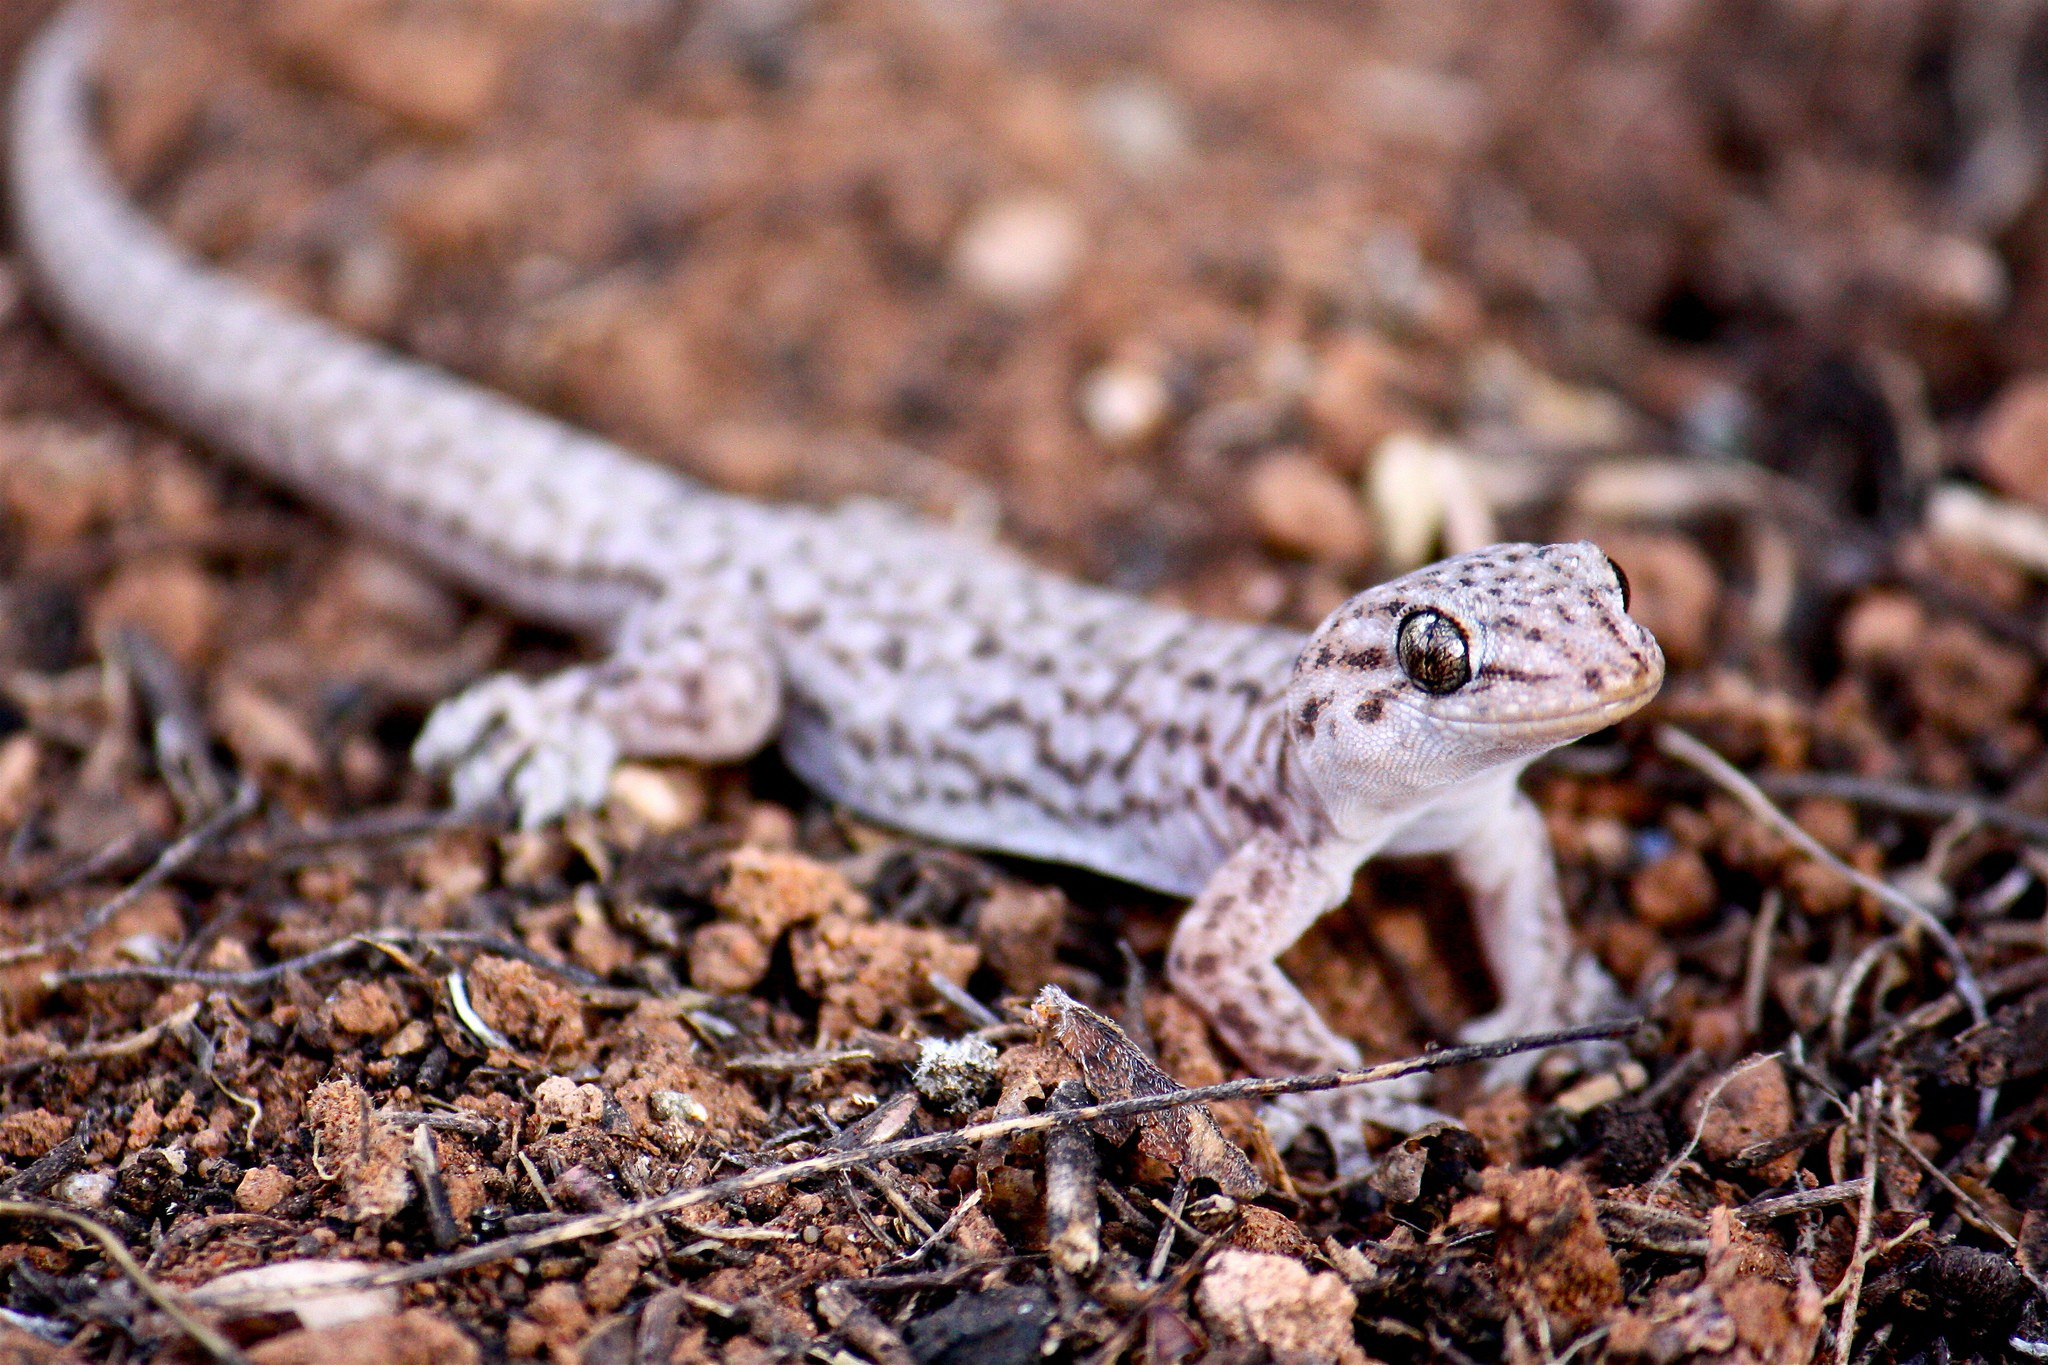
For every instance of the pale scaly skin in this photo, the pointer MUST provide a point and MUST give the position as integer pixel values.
(926, 680)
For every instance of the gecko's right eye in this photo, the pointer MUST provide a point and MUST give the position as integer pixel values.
(1434, 652)
(1621, 581)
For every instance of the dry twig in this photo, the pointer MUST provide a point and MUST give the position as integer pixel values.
(828, 1162)
(167, 865)
(1903, 910)
(210, 1340)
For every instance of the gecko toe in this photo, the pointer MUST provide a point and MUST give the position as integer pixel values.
(530, 743)
(1342, 1116)
(1586, 993)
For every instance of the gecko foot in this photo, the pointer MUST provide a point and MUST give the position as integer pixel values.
(687, 678)
(1588, 993)
(534, 742)
(1342, 1116)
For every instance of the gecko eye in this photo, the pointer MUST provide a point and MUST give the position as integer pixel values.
(1434, 652)
(1621, 578)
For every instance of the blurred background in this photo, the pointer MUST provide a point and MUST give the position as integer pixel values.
(1239, 301)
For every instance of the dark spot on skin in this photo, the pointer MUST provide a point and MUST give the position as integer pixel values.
(1172, 736)
(1261, 884)
(1310, 711)
(1201, 734)
(1002, 713)
(1369, 710)
(1202, 681)
(986, 646)
(891, 653)
(1041, 668)
(1395, 609)
(1533, 635)
(1594, 677)
(1211, 775)
(1231, 1019)
(1372, 656)
(1258, 811)
(1205, 964)
(1466, 580)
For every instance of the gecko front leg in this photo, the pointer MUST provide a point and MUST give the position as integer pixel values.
(689, 676)
(1253, 908)
(1545, 981)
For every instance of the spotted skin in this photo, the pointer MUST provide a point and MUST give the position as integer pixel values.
(923, 678)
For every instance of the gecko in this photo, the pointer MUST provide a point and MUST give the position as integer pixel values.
(924, 679)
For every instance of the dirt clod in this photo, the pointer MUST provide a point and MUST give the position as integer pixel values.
(998, 1327)
(414, 1337)
(1277, 1305)
(262, 1189)
(1550, 1251)
(1750, 1104)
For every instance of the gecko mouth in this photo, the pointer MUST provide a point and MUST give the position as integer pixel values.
(1557, 727)
(1586, 720)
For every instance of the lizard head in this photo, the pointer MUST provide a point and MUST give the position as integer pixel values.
(1480, 660)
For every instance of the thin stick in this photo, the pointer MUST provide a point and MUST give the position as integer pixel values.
(825, 1163)
(167, 865)
(1756, 964)
(1134, 1321)
(1901, 799)
(1168, 1226)
(944, 1230)
(1968, 1207)
(1699, 1129)
(257, 977)
(1851, 1287)
(210, 1341)
(1764, 1210)
(1904, 911)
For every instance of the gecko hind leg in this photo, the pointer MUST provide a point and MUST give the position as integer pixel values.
(687, 677)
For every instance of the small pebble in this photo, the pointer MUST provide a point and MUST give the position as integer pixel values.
(1020, 251)
(1124, 404)
(1301, 508)
(663, 799)
(953, 1075)
(1141, 126)
(262, 1189)
(2012, 441)
(85, 1189)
